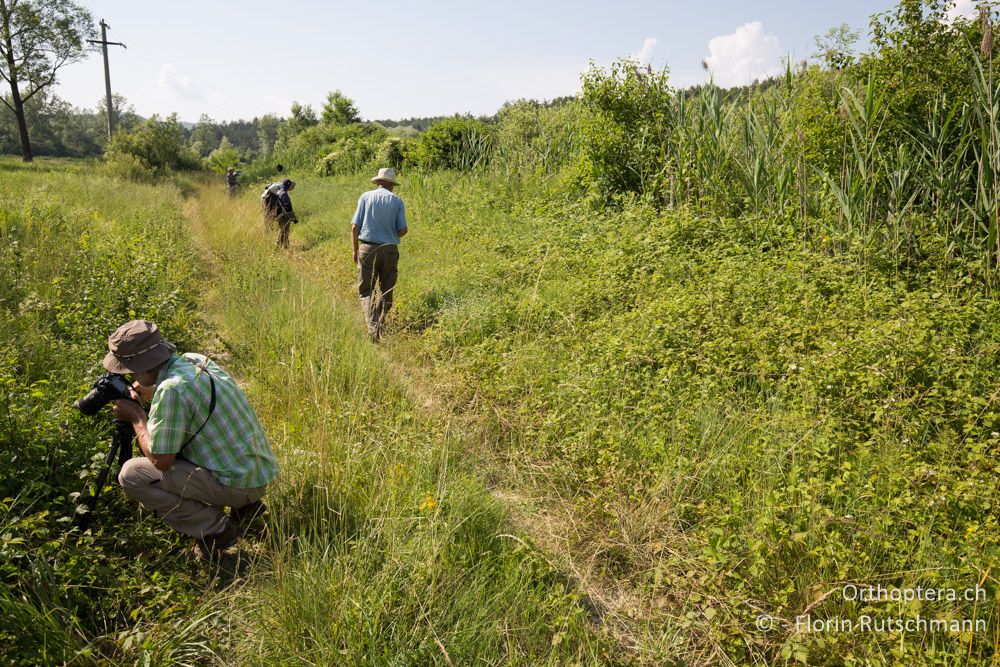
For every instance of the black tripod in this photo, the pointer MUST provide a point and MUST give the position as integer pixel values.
(121, 445)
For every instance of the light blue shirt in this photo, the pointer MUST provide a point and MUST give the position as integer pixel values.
(379, 217)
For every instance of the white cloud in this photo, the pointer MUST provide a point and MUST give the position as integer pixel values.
(190, 97)
(747, 54)
(173, 82)
(645, 54)
(965, 9)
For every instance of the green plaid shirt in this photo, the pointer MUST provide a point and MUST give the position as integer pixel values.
(232, 445)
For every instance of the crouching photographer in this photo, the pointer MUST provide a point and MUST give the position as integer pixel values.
(203, 448)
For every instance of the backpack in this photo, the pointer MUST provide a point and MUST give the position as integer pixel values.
(269, 199)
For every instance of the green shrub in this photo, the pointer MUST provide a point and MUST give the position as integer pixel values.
(158, 145)
(393, 152)
(80, 254)
(537, 137)
(624, 137)
(128, 167)
(460, 143)
(223, 157)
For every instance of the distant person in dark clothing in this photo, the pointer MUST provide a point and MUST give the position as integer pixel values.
(231, 181)
(277, 208)
(377, 225)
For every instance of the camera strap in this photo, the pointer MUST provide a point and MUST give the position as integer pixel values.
(203, 367)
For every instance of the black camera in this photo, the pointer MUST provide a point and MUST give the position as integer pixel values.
(109, 387)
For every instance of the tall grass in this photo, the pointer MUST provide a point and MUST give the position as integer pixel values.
(80, 254)
(701, 429)
(384, 546)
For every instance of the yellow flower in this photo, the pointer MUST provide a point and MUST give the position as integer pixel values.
(429, 503)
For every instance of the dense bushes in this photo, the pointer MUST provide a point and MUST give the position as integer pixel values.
(359, 148)
(461, 143)
(626, 134)
(724, 429)
(79, 255)
(535, 137)
(154, 148)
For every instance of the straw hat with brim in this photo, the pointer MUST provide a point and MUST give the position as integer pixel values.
(387, 175)
(137, 347)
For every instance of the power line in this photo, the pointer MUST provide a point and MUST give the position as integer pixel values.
(203, 85)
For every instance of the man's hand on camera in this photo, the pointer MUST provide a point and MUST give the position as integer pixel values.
(142, 393)
(128, 411)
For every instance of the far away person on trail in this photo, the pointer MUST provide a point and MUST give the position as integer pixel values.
(231, 177)
(377, 224)
(203, 448)
(277, 208)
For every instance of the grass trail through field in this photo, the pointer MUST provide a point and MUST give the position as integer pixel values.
(384, 543)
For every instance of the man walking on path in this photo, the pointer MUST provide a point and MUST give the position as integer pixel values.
(377, 225)
(277, 206)
(203, 448)
(232, 177)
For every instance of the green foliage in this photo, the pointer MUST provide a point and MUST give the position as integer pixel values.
(128, 167)
(40, 38)
(302, 118)
(339, 110)
(739, 429)
(815, 119)
(223, 157)
(535, 137)
(624, 137)
(204, 136)
(351, 147)
(56, 128)
(393, 152)
(157, 144)
(836, 46)
(916, 57)
(80, 254)
(459, 142)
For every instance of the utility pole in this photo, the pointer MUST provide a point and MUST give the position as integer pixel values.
(107, 73)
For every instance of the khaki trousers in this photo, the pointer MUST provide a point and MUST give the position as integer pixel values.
(377, 265)
(187, 497)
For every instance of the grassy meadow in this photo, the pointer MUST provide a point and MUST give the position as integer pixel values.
(674, 377)
(703, 430)
(594, 436)
(383, 544)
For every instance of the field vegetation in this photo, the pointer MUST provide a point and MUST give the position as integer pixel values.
(663, 364)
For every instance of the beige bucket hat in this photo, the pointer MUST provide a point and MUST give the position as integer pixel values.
(386, 174)
(136, 347)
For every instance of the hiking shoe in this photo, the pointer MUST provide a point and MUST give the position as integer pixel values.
(212, 546)
(246, 516)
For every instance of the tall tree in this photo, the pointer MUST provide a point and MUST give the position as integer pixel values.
(339, 110)
(37, 39)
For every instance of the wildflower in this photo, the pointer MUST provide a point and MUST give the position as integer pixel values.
(430, 503)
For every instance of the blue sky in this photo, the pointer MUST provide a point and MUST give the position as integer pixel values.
(401, 59)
